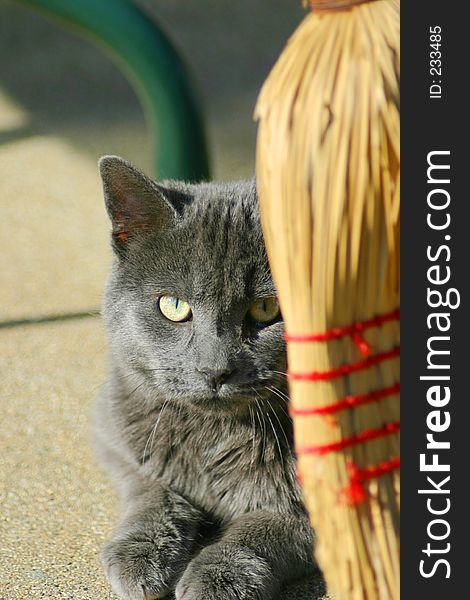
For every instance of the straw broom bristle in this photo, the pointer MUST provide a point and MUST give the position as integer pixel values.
(328, 183)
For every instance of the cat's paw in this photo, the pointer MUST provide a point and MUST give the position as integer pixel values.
(222, 572)
(141, 569)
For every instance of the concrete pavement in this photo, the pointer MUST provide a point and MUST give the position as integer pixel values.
(62, 104)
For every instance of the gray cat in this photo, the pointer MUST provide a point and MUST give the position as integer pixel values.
(193, 421)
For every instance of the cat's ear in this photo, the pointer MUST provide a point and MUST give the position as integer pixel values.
(135, 204)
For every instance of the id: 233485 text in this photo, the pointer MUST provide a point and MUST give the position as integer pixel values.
(435, 61)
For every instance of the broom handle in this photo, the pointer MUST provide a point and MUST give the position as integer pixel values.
(334, 5)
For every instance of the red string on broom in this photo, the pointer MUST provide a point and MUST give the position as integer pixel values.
(355, 491)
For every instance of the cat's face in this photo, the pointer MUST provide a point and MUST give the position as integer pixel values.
(190, 303)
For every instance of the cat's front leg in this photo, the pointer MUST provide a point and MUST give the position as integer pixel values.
(257, 555)
(152, 545)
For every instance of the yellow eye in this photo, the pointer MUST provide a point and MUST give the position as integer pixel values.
(174, 309)
(264, 310)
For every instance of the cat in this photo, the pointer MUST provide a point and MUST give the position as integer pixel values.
(192, 423)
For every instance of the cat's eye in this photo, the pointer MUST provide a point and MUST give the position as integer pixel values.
(264, 310)
(174, 308)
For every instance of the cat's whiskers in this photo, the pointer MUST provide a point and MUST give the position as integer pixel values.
(279, 393)
(151, 437)
(283, 373)
(253, 429)
(275, 435)
(108, 381)
(261, 421)
(277, 417)
(137, 374)
(179, 406)
(142, 383)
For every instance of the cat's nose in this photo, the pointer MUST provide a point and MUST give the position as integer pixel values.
(215, 378)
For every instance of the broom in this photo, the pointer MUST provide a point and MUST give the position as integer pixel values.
(328, 183)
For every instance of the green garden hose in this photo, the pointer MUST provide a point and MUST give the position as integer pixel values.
(148, 59)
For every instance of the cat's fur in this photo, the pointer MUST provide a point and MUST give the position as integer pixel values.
(211, 506)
